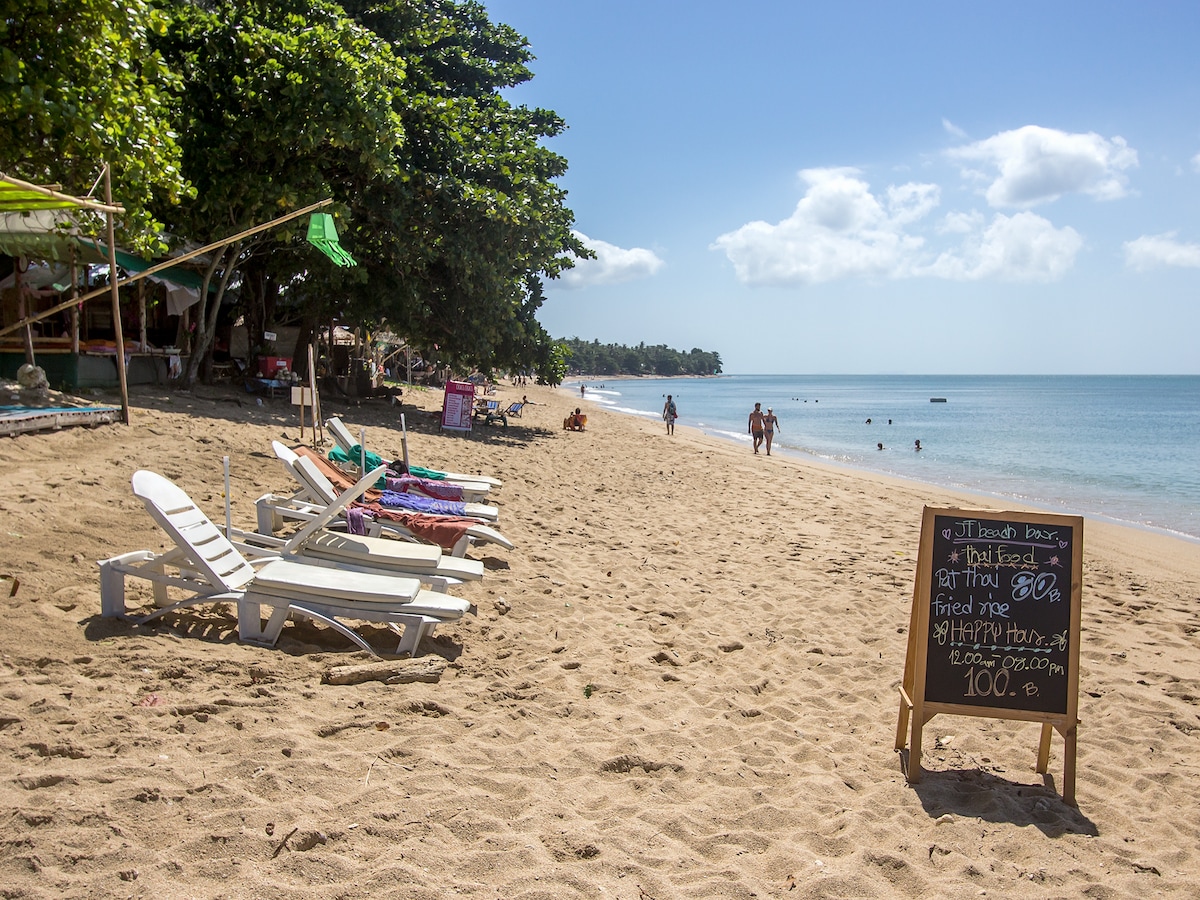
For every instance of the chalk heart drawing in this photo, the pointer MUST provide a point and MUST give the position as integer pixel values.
(946, 534)
(1062, 544)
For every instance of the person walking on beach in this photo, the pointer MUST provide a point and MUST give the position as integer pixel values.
(756, 426)
(670, 414)
(770, 423)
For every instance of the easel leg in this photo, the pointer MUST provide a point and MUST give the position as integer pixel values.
(1069, 737)
(902, 723)
(914, 751)
(1043, 757)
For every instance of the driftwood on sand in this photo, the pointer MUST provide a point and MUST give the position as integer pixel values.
(428, 669)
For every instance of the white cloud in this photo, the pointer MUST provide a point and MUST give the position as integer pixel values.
(1024, 247)
(1196, 162)
(953, 129)
(961, 222)
(1155, 250)
(839, 229)
(1033, 165)
(612, 264)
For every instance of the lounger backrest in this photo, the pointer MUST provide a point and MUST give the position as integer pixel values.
(193, 532)
(340, 433)
(314, 483)
(314, 479)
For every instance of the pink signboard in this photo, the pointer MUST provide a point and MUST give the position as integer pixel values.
(457, 405)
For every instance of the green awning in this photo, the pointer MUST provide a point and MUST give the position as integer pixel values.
(35, 222)
(17, 195)
(97, 253)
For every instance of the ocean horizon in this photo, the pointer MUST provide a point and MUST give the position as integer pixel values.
(1124, 448)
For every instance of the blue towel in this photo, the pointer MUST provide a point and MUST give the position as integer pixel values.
(415, 503)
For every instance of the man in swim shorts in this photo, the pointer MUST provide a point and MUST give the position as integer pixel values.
(770, 423)
(756, 426)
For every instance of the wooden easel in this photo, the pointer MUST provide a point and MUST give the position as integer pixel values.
(988, 665)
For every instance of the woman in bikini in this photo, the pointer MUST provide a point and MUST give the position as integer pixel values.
(770, 423)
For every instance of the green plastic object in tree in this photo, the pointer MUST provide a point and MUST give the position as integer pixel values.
(323, 236)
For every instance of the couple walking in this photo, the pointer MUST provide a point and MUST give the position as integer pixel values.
(762, 427)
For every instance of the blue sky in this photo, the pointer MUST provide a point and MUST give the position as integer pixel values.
(879, 187)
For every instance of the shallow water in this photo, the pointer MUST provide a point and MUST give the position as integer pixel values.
(1125, 448)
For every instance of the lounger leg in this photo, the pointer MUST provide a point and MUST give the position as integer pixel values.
(112, 590)
(267, 519)
(112, 581)
(331, 622)
(415, 628)
(460, 547)
(250, 624)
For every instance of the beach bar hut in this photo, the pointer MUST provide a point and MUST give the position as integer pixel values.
(25, 199)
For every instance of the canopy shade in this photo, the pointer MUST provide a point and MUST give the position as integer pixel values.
(23, 196)
(35, 221)
(39, 234)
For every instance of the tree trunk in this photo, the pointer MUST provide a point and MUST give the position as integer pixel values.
(207, 310)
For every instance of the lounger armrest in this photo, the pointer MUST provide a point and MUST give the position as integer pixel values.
(333, 510)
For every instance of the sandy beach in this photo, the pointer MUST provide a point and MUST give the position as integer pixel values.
(682, 683)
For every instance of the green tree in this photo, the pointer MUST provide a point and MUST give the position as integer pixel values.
(282, 103)
(80, 84)
(616, 359)
(457, 247)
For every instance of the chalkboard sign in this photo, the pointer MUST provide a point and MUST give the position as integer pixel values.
(994, 629)
(999, 632)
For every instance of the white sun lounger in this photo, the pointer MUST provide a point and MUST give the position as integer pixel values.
(314, 543)
(471, 510)
(210, 569)
(474, 483)
(316, 493)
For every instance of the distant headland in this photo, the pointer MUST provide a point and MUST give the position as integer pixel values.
(584, 358)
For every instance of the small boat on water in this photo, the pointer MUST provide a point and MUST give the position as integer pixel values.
(937, 399)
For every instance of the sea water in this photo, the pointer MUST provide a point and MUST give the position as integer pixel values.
(1124, 448)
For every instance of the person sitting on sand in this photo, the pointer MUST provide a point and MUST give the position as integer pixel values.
(575, 421)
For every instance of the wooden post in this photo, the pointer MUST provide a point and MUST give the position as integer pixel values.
(141, 289)
(75, 308)
(318, 422)
(116, 296)
(23, 312)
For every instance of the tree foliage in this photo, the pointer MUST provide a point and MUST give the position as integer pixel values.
(81, 85)
(616, 359)
(444, 190)
(285, 103)
(459, 244)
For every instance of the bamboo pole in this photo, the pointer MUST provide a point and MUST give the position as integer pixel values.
(137, 276)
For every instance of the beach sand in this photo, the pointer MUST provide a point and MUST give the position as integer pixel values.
(682, 683)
